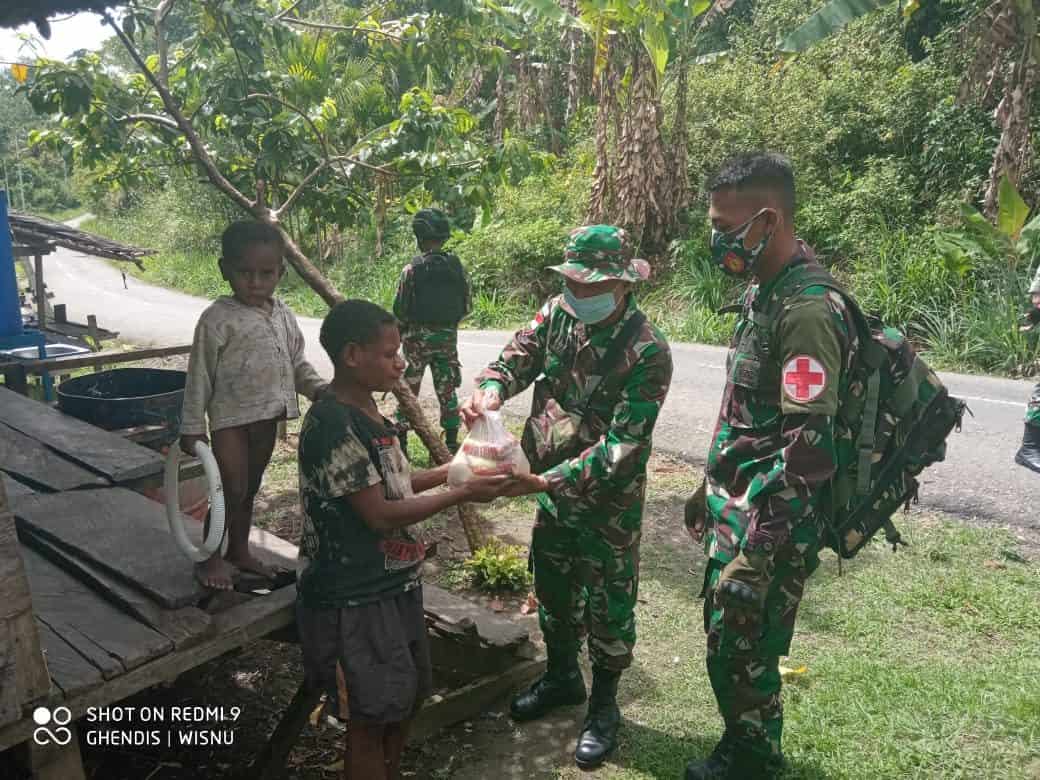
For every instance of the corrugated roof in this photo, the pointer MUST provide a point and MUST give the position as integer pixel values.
(31, 230)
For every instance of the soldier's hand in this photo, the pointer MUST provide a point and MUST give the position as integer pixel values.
(481, 401)
(525, 485)
(695, 514)
(744, 582)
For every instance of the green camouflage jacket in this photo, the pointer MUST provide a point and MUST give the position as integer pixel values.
(605, 484)
(773, 446)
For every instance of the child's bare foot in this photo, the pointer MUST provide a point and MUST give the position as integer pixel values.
(248, 563)
(216, 573)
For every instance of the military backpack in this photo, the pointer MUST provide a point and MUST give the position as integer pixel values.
(892, 423)
(439, 290)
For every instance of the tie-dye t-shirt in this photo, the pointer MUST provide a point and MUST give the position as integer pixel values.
(346, 563)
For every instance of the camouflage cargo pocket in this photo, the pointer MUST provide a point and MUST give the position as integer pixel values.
(551, 437)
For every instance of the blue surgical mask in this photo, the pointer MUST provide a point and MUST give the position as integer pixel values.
(591, 310)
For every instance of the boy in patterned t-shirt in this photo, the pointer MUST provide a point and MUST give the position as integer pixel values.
(360, 592)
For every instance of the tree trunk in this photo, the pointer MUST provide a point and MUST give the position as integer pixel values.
(499, 130)
(573, 42)
(642, 184)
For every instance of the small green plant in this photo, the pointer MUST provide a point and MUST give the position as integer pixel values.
(499, 566)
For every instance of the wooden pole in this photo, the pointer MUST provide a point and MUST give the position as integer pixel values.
(41, 293)
(95, 341)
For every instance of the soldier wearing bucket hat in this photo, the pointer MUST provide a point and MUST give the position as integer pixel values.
(601, 372)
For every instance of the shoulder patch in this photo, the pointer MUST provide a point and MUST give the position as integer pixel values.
(804, 378)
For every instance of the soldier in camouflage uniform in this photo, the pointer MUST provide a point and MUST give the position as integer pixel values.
(425, 341)
(591, 447)
(1028, 454)
(772, 452)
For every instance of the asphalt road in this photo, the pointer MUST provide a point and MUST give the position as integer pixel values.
(978, 480)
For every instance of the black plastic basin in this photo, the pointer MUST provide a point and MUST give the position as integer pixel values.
(126, 398)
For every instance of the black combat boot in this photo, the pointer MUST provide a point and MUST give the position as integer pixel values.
(599, 734)
(560, 686)
(715, 766)
(451, 439)
(731, 760)
(1029, 453)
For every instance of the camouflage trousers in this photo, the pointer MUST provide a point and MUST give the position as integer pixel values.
(744, 649)
(437, 348)
(1033, 409)
(585, 587)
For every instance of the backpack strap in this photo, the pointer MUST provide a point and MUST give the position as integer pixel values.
(608, 363)
(871, 353)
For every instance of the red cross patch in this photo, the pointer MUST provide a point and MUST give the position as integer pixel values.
(805, 378)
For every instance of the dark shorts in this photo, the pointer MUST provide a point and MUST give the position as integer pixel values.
(383, 649)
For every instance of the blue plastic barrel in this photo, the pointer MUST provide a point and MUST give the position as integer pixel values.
(10, 310)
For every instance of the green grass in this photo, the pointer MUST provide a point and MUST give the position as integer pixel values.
(63, 215)
(920, 664)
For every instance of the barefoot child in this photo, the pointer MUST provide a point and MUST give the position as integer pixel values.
(360, 593)
(245, 369)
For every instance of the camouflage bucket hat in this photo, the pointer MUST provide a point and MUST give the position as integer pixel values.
(431, 225)
(597, 253)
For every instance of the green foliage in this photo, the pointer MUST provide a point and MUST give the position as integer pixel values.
(499, 566)
(506, 256)
(834, 16)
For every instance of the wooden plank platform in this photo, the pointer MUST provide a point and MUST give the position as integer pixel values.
(111, 640)
(100, 451)
(70, 672)
(119, 531)
(184, 627)
(26, 458)
(14, 488)
(234, 628)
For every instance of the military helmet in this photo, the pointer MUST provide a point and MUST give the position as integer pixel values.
(431, 225)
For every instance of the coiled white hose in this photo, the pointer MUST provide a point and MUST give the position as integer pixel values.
(171, 481)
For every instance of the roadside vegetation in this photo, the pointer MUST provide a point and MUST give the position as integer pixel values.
(892, 170)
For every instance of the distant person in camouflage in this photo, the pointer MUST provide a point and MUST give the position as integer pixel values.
(602, 374)
(772, 453)
(433, 296)
(1029, 453)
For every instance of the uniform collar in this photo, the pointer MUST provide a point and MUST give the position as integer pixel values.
(802, 257)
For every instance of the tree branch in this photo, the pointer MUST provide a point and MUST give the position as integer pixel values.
(342, 28)
(155, 119)
(203, 156)
(160, 40)
(286, 207)
(287, 11)
(296, 110)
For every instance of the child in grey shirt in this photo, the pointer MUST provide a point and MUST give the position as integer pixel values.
(246, 367)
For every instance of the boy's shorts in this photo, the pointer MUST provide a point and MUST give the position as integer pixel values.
(383, 649)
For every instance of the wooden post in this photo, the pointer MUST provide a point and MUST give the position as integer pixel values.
(57, 762)
(95, 342)
(41, 293)
(270, 764)
(24, 678)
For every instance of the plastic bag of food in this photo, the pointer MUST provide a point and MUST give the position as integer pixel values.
(489, 449)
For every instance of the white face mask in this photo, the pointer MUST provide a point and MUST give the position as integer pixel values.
(593, 309)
